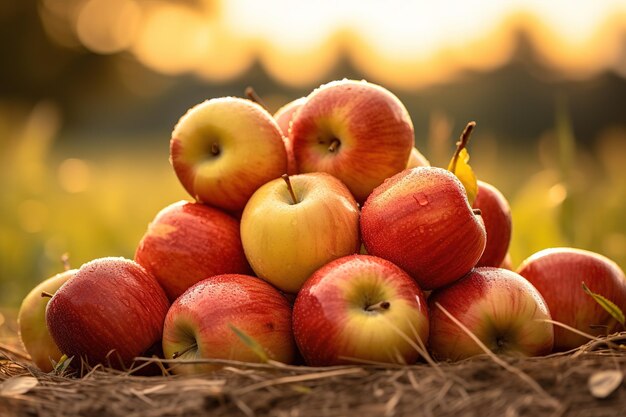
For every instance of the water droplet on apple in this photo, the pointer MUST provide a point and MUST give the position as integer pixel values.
(421, 199)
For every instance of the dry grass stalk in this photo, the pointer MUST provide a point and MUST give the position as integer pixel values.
(475, 387)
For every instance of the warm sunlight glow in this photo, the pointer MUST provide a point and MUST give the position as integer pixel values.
(402, 43)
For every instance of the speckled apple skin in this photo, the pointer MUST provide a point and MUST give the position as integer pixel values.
(252, 151)
(420, 219)
(496, 214)
(188, 242)
(374, 128)
(558, 274)
(331, 326)
(111, 304)
(207, 312)
(492, 303)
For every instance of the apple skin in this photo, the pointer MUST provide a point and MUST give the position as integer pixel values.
(223, 149)
(285, 242)
(496, 214)
(372, 127)
(498, 306)
(332, 326)
(420, 219)
(110, 304)
(205, 313)
(416, 159)
(31, 321)
(284, 117)
(188, 242)
(558, 274)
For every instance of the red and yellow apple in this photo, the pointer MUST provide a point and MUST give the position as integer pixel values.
(420, 219)
(416, 159)
(223, 149)
(204, 323)
(360, 308)
(558, 274)
(502, 309)
(31, 321)
(109, 312)
(356, 131)
(188, 242)
(496, 214)
(287, 237)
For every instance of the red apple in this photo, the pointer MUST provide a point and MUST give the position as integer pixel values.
(202, 323)
(223, 149)
(286, 240)
(360, 308)
(284, 116)
(496, 214)
(31, 320)
(558, 274)
(109, 312)
(420, 219)
(502, 309)
(357, 131)
(188, 242)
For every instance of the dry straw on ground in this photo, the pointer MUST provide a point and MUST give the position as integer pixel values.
(556, 385)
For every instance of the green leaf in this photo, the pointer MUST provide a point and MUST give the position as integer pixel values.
(251, 343)
(61, 366)
(460, 167)
(606, 304)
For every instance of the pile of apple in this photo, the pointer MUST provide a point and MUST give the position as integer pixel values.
(319, 234)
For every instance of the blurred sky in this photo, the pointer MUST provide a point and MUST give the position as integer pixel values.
(134, 66)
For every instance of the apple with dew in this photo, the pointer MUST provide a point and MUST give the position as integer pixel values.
(293, 225)
(223, 149)
(360, 308)
(211, 319)
(188, 242)
(416, 159)
(496, 214)
(108, 313)
(356, 131)
(558, 274)
(284, 117)
(420, 219)
(31, 321)
(502, 309)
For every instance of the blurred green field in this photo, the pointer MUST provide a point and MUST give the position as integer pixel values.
(96, 200)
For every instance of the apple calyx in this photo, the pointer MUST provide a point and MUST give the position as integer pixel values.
(285, 177)
(215, 149)
(189, 348)
(379, 306)
(253, 96)
(477, 212)
(334, 145)
(46, 294)
(461, 144)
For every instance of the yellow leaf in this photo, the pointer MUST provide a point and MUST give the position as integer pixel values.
(604, 383)
(606, 304)
(460, 167)
(250, 343)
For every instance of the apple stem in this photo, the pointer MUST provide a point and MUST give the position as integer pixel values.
(462, 144)
(46, 294)
(253, 96)
(334, 145)
(65, 260)
(290, 188)
(381, 305)
(477, 212)
(176, 355)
